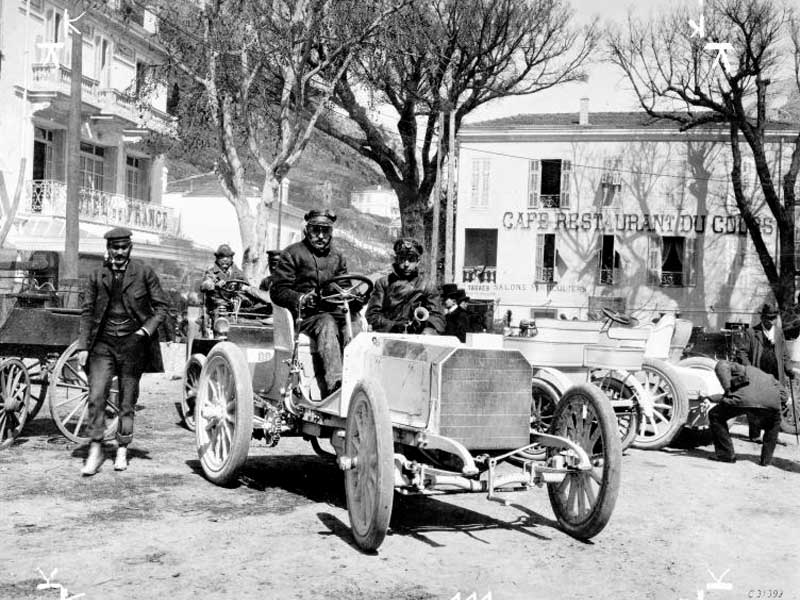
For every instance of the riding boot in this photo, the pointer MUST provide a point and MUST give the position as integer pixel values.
(94, 460)
(121, 461)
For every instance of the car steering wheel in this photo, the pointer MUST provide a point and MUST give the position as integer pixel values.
(615, 316)
(232, 287)
(346, 288)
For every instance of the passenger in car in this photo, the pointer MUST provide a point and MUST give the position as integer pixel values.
(405, 301)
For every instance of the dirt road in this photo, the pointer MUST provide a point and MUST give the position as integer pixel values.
(160, 530)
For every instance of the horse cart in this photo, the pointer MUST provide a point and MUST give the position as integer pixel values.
(414, 415)
(40, 361)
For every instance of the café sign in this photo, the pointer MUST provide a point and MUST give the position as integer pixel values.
(117, 210)
(661, 223)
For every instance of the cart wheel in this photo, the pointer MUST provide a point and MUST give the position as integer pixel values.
(544, 398)
(191, 377)
(790, 412)
(670, 405)
(15, 389)
(37, 372)
(619, 390)
(68, 394)
(369, 484)
(224, 413)
(584, 500)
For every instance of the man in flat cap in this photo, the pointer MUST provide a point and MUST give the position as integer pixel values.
(747, 390)
(215, 278)
(397, 295)
(123, 306)
(763, 346)
(302, 268)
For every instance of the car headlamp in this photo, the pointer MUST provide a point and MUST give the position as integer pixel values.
(221, 326)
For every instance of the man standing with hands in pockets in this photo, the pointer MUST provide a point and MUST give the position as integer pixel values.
(123, 305)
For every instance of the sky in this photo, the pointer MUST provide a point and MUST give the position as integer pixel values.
(606, 87)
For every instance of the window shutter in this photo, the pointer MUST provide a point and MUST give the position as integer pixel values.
(654, 259)
(485, 182)
(476, 180)
(534, 183)
(540, 239)
(566, 170)
(689, 270)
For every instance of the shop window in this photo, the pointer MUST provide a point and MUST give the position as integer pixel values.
(479, 195)
(548, 183)
(671, 261)
(480, 255)
(608, 261)
(545, 258)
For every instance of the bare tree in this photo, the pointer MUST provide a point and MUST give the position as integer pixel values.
(257, 76)
(435, 56)
(718, 71)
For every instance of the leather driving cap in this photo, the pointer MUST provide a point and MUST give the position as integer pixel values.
(407, 247)
(320, 217)
(118, 233)
(224, 250)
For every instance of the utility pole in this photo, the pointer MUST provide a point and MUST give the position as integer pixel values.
(449, 276)
(434, 272)
(72, 215)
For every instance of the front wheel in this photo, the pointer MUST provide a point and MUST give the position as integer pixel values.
(584, 500)
(670, 405)
(544, 399)
(224, 413)
(369, 483)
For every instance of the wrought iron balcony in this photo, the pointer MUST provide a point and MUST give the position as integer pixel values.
(607, 276)
(545, 275)
(49, 198)
(671, 279)
(479, 274)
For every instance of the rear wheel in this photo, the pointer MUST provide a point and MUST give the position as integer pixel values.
(584, 500)
(191, 379)
(224, 413)
(369, 483)
(15, 389)
(670, 405)
(68, 394)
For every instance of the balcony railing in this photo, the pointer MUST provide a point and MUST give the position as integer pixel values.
(58, 78)
(49, 198)
(480, 274)
(545, 275)
(607, 276)
(671, 278)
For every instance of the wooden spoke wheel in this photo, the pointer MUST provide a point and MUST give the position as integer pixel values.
(584, 500)
(68, 394)
(224, 413)
(191, 379)
(544, 399)
(369, 483)
(38, 371)
(623, 391)
(790, 412)
(670, 405)
(15, 389)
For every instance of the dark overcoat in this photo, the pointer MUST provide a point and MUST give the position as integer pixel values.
(143, 298)
(750, 351)
(394, 299)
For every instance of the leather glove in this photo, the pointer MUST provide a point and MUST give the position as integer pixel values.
(309, 300)
(398, 327)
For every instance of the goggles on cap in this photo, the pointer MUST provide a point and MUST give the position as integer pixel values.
(319, 229)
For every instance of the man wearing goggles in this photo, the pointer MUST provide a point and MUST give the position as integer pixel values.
(301, 269)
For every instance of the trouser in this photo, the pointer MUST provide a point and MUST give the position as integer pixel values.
(123, 357)
(769, 419)
(754, 425)
(328, 332)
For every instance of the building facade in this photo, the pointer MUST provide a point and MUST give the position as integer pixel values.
(123, 114)
(376, 200)
(562, 215)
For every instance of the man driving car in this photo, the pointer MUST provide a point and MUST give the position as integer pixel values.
(296, 283)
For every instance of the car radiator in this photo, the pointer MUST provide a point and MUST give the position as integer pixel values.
(485, 398)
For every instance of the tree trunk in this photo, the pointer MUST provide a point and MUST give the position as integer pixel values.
(253, 216)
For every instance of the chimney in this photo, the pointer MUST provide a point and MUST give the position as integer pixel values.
(583, 117)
